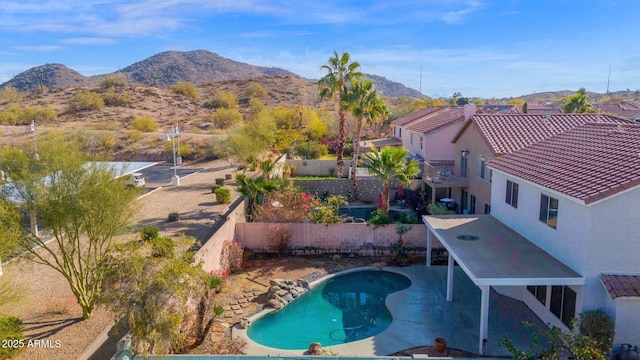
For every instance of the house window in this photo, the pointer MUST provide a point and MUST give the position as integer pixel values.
(399, 132)
(411, 139)
(394, 131)
(487, 209)
(549, 210)
(563, 304)
(512, 194)
(463, 163)
(472, 204)
(421, 142)
(463, 202)
(484, 172)
(540, 292)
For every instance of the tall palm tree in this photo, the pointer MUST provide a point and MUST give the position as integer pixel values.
(389, 164)
(578, 103)
(365, 104)
(340, 72)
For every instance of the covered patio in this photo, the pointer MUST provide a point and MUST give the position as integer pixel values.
(492, 254)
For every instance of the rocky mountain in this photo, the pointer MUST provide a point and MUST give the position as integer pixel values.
(167, 68)
(52, 76)
(393, 89)
(198, 67)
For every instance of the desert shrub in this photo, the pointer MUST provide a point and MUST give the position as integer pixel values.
(224, 100)
(219, 181)
(162, 247)
(435, 209)
(256, 90)
(214, 282)
(10, 330)
(279, 238)
(144, 124)
(134, 135)
(173, 217)
(185, 89)
(232, 256)
(256, 106)
(240, 177)
(311, 150)
(11, 94)
(113, 81)
(20, 115)
(214, 188)
(378, 219)
(224, 118)
(598, 326)
(86, 100)
(223, 195)
(184, 151)
(110, 98)
(149, 232)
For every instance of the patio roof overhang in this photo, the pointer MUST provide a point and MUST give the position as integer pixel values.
(499, 256)
(492, 254)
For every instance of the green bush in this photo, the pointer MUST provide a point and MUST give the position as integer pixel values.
(598, 326)
(144, 124)
(223, 195)
(225, 100)
(220, 181)
(86, 100)
(311, 150)
(10, 329)
(256, 90)
(225, 118)
(215, 187)
(173, 217)
(20, 115)
(149, 232)
(214, 282)
(379, 219)
(162, 247)
(241, 177)
(185, 89)
(112, 99)
(113, 81)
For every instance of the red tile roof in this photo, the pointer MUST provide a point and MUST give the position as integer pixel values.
(448, 116)
(621, 285)
(506, 133)
(623, 109)
(589, 163)
(416, 115)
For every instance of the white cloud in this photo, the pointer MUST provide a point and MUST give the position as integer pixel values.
(89, 41)
(42, 48)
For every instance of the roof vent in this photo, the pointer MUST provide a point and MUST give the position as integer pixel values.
(547, 116)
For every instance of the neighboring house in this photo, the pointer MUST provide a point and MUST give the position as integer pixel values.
(576, 196)
(542, 108)
(488, 136)
(624, 109)
(400, 124)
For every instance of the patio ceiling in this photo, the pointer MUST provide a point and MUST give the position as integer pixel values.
(499, 256)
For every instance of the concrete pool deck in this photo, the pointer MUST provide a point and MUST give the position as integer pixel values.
(421, 313)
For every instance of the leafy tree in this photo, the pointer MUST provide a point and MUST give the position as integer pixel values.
(11, 94)
(165, 301)
(329, 212)
(515, 101)
(340, 72)
(390, 164)
(434, 102)
(577, 103)
(112, 81)
(256, 189)
(310, 150)
(80, 204)
(364, 104)
(478, 102)
(185, 89)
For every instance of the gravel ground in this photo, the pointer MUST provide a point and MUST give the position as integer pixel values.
(47, 307)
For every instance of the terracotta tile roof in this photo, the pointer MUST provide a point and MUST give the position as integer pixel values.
(506, 133)
(621, 285)
(497, 109)
(447, 116)
(416, 115)
(623, 109)
(589, 163)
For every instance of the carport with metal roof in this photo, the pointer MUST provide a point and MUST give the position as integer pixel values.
(492, 254)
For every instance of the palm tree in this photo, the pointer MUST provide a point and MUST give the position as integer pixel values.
(365, 104)
(389, 164)
(578, 103)
(340, 72)
(256, 189)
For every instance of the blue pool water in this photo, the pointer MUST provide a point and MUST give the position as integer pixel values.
(343, 309)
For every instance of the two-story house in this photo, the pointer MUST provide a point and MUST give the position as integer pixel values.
(489, 136)
(563, 235)
(576, 196)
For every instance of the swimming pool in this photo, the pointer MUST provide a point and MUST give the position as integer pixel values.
(343, 309)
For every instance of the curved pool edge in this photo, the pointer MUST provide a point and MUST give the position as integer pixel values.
(392, 339)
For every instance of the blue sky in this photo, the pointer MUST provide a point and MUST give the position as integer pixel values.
(476, 47)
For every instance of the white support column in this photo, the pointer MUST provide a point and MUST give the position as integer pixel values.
(450, 262)
(484, 318)
(429, 245)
